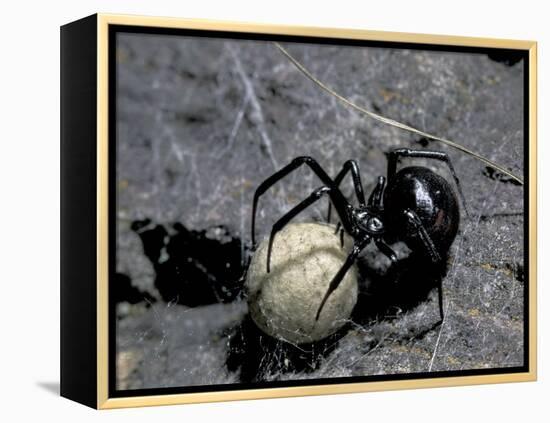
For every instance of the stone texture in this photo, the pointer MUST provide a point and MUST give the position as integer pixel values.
(203, 121)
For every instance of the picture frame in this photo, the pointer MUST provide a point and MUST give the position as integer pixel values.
(113, 92)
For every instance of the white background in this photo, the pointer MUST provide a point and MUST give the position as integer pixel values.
(29, 211)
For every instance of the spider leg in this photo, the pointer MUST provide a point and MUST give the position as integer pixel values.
(415, 221)
(281, 223)
(375, 199)
(337, 198)
(440, 296)
(426, 154)
(350, 166)
(335, 282)
(338, 226)
(434, 255)
(386, 250)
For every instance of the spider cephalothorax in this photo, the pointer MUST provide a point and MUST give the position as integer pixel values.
(417, 206)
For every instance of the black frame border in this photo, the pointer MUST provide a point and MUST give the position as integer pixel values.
(78, 211)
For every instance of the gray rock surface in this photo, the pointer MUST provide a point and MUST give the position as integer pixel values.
(203, 121)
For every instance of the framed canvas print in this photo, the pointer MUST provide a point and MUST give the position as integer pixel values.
(253, 211)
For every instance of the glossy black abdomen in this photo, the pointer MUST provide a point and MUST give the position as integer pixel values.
(431, 197)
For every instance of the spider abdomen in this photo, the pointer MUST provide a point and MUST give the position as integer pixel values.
(431, 198)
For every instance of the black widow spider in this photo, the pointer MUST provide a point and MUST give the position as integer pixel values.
(417, 206)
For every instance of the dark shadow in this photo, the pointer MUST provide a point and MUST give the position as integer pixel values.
(403, 287)
(259, 356)
(506, 57)
(193, 267)
(124, 291)
(51, 387)
(389, 294)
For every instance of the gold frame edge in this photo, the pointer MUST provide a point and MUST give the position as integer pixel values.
(103, 400)
(533, 186)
